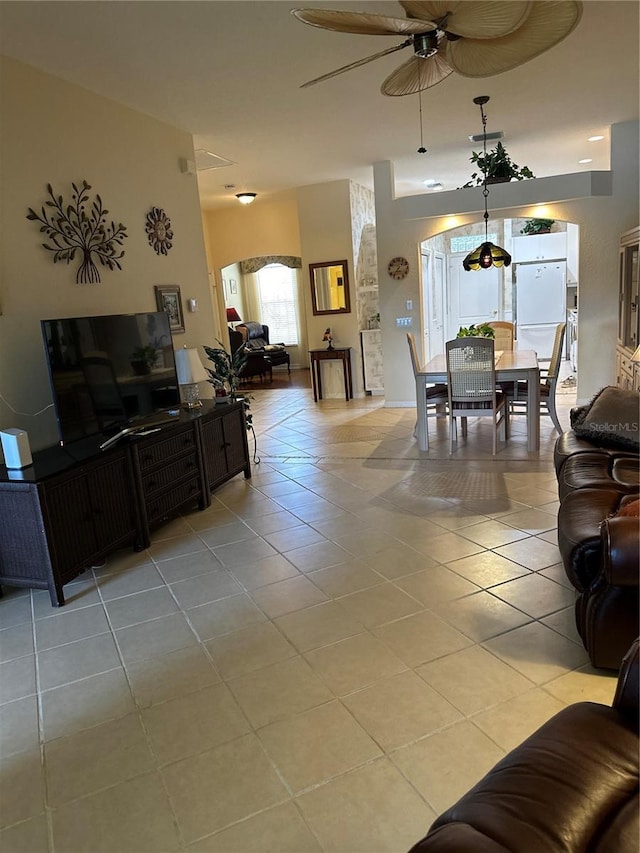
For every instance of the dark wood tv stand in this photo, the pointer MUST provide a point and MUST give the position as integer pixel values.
(77, 504)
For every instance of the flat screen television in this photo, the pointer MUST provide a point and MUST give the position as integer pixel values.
(108, 373)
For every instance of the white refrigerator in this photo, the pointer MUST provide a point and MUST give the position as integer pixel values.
(540, 303)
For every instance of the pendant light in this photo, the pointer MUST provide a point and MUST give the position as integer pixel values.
(486, 255)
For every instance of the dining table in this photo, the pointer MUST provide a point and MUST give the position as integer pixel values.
(511, 366)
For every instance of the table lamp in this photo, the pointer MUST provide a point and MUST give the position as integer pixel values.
(233, 316)
(190, 371)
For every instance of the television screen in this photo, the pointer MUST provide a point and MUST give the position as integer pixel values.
(109, 372)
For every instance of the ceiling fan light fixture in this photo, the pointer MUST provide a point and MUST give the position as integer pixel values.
(246, 198)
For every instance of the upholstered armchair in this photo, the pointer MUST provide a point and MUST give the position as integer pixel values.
(256, 364)
(256, 338)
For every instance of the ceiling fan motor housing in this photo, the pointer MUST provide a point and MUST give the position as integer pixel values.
(425, 44)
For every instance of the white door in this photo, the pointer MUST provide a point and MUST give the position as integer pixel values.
(473, 297)
(433, 301)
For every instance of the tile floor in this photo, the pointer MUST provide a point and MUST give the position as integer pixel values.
(322, 661)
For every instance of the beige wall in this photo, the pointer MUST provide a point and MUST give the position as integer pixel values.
(54, 132)
(611, 209)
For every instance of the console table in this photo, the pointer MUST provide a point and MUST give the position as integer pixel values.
(317, 356)
(76, 504)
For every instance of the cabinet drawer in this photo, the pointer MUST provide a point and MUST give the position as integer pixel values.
(166, 503)
(165, 477)
(161, 451)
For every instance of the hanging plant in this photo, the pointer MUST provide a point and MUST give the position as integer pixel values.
(159, 230)
(498, 166)
(72, 229)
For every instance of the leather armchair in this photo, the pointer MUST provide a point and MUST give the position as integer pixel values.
(256, 338)
(256, 364)
(571, 786)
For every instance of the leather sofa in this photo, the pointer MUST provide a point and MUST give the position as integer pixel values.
(571, 786)
(599, 538)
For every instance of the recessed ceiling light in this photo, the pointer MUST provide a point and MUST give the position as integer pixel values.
(586, 160)
(595, 138)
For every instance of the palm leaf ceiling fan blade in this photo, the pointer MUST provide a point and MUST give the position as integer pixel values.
(481, 19)
(417, 74)
(548, 23)
(361, 23)
(355, 64)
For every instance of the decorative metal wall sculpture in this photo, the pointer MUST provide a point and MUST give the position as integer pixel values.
(72, 229)
(159, 230)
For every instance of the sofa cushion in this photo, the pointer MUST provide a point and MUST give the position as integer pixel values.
(569, 444)
(611, 419)
(560, 790)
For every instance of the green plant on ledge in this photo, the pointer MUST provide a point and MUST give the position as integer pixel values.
(482, 330)
(498, 166)
(537, 226)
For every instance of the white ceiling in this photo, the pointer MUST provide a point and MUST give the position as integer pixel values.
(229, 73)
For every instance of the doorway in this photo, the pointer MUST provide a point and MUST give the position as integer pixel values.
(474, 297)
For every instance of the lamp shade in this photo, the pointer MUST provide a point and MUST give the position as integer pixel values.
(189, 368)
(233, 316)
(486, 255)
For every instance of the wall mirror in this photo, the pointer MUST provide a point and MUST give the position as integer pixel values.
(330, 288)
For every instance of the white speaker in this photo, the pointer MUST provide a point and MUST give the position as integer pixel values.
(15, 446)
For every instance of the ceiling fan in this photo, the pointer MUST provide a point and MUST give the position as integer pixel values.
(475, 39)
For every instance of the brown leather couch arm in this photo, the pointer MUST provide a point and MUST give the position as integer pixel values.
(621, 550)
(627, 698)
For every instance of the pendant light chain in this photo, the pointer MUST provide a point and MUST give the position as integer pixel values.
(486, 255)
(485, 189)
(422, 149)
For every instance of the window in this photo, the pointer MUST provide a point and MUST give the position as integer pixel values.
(468, 242)
(278, 296)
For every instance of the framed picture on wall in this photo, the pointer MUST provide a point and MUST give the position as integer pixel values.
(168, 300)
(233, 285)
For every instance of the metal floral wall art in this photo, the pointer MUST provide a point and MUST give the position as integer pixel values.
(81, 226)
(159, 230)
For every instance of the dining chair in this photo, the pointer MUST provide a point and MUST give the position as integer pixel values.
(504, 334)
(548, 383)
(471, 382)
(437, 398)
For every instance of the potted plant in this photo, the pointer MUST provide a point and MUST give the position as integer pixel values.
(225, 375)
(143, 359)
(482, 330)
(498, 167)
(537, 226)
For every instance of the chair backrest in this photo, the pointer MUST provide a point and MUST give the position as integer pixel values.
(413, 352)
(471, 372)
(504, 334)
(556, 355)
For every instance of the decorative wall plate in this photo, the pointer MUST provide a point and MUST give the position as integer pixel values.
(159, 230)
(398, 268)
